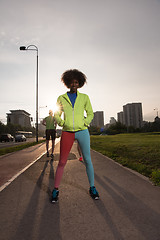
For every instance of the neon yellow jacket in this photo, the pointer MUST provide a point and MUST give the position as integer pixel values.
(74, 119)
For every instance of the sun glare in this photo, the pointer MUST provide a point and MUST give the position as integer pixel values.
(45, 111)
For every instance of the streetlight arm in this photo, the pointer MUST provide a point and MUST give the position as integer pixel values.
(35, 48)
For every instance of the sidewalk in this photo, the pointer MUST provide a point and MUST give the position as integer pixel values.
(128, 209)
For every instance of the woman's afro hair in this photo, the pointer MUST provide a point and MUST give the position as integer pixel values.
(73, 74)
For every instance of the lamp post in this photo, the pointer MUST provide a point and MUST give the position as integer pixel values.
(34, 48)
(156, 109)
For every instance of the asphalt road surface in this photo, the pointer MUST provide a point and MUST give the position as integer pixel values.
(128, 209)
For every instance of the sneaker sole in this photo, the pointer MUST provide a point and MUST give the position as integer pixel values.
(95, 198)
(54, 201)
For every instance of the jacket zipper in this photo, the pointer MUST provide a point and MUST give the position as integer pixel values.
(73, 117)
(73, 113)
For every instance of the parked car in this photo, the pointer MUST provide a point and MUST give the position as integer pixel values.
(20, 138)
(6, 138)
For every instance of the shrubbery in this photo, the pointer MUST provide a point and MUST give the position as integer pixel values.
(11, 128)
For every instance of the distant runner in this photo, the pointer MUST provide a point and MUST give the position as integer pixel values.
(50, 124)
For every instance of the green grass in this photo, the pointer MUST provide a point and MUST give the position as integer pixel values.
(18, 147)
(138, 151)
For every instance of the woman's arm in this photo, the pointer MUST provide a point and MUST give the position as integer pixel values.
(89, 111)
(58, 113)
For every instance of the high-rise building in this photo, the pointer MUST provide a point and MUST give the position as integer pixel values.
(112, 121)
(20, 117)
(132, 113)
(98, 120)
(120, 117)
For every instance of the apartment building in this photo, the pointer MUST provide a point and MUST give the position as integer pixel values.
(20, 117)
(98, 119)
(120, 117)
(112, 121)
(132, 114)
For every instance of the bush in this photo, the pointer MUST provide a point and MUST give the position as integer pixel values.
(156, 177)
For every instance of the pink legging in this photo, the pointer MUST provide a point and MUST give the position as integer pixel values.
(67, 140)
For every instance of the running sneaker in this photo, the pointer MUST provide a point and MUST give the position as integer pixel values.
(93, 192)
(47, 154)
(80, 159)
(55, 194)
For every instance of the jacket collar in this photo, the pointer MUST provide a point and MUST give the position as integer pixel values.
(66, 96)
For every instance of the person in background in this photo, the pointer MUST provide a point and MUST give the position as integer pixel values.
(50, 124)
(75, 127)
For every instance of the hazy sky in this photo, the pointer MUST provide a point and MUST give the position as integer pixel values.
(116, 43)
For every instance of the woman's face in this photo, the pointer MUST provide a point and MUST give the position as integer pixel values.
(74, 85)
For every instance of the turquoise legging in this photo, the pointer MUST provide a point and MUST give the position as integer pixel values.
(67, 140)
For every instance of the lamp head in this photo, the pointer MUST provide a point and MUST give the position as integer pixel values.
(22, 48)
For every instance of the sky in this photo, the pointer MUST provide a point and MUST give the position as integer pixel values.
(115, 43)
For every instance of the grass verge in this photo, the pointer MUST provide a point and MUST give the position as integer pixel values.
(19, 147)
(138, 151)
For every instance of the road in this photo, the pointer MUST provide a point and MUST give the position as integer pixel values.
(11, 144)
(128, 209)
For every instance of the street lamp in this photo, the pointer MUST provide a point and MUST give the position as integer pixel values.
(156, 109)
(34, 48)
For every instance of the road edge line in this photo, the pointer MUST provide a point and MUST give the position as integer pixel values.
(22, 171)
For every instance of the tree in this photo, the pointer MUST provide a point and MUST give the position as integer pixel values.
(13, 128)
(151, 127)
(94, 130)
(2, 128)
(116, 128)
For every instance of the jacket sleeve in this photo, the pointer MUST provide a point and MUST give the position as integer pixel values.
(58, 113)
(89, 111)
